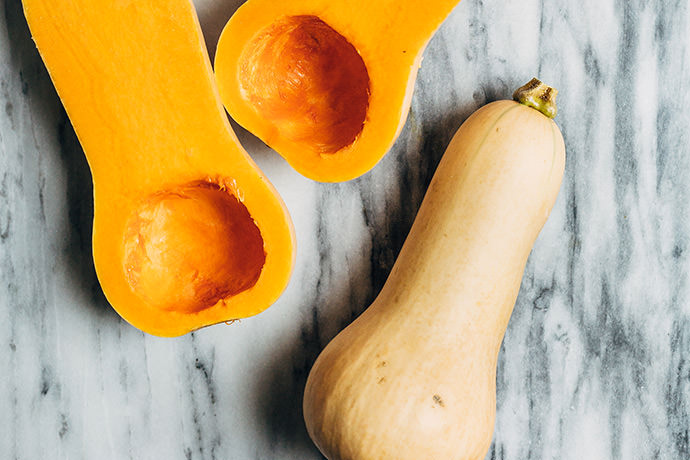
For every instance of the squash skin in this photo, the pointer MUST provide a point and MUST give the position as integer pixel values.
(137, 84)
(414, 376)
(390, 36)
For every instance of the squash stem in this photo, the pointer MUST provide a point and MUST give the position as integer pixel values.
(539, 96)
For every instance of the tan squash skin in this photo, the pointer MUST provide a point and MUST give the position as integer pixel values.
(276, 77)
(414, 376)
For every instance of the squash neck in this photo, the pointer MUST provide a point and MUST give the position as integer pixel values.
(405, 26)
(455, 298)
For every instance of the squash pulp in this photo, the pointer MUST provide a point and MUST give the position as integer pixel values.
(187, 231)
(327, 84)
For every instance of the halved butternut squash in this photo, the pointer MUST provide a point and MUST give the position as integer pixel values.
(326, 83)
(187, 231)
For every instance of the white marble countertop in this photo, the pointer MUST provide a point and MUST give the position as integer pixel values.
(595, 362)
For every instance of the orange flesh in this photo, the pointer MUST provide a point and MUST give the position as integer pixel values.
(309, 81)
(187, 248)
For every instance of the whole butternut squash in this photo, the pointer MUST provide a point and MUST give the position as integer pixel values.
(414, 376)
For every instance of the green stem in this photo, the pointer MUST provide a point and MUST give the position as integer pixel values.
(539, 96)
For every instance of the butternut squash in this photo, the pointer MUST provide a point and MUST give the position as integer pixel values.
(187, 231)
(414, 376)
(326, 83)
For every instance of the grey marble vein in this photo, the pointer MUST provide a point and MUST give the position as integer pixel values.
(596, 360)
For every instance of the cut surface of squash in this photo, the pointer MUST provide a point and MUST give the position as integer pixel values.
(321, 98)
(327, 84)
(187, 230)
(188, 248)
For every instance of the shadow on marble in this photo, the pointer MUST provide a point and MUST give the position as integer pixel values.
(80, 209)
(279, 397)
(213, 16)
(41, 96)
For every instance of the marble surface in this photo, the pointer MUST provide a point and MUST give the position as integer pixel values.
(595, 362)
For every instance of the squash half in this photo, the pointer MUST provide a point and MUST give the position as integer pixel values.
(187, 230)
(326, 83)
